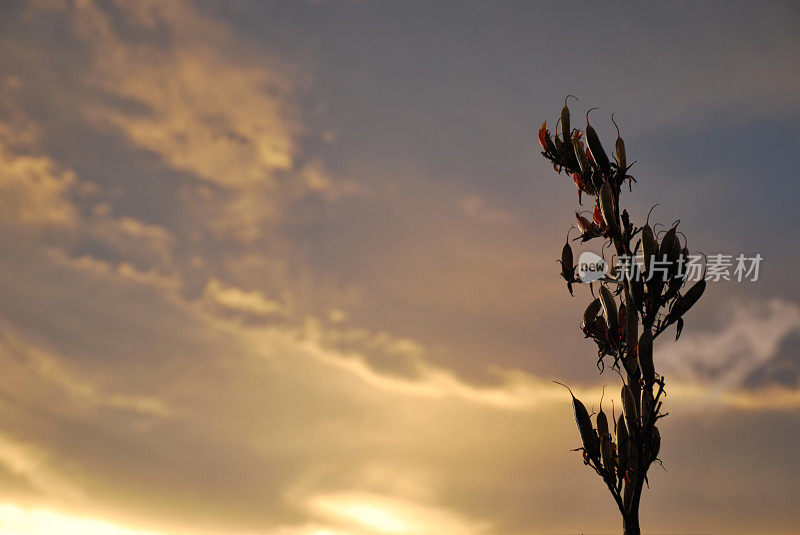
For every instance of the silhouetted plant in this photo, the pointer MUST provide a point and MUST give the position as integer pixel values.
(632, 309)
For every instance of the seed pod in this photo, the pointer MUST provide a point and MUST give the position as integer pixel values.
(645, 356)
(607, 205)
(607, 455)
(546, 141)
(588, 435)
(631, 332)
(653, 445)
(622, 446)
(565, 129)
(591, 311)
(584, 225)
(629, 408)
(567, 266)
(595, 147)
(649, 248)
(543, 136)
(693, 295)
(602, 424)
(680, 269)
(609, 309)
(580, 154)
(637, 289)
(670, 246)
(633, 457)
(647, 405)
(590, 159)
(687, 300)
(673, 287)
(566, 259)
(598, 329)
(619, 146)
(597, 217)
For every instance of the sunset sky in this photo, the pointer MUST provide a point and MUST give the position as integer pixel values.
(288, 268)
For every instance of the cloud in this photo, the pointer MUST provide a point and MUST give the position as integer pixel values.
(39, 194)
(723, 360)
(476, 207)
(34, 466)
(26, 363)
(198, 105)
(134, 240)
(187, 89)
(121, 272)
(237, 300)
(34, 192)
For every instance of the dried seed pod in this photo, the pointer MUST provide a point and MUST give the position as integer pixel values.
(637, 290)
(678, 270)
(670, 248)
(602, 424)
(631, 332)
(597, 329)
(567, 266)
(645, 356)
(567, 259)
(606, 198)
(565, 126)
(595, 147)
(584, 225)
(587, 432)
(649, 247)
(622, 446)
(629, 408)
(589, 159)
(622, 322)
(546, 141)
(591, 311)
(580, 154)
(673, 287)
(647, 405)
(686, 301)
(597, 217)
(543, 135)
(607, 455)
(609, 308)
(559, 144)
(633, 457)
(619, 147)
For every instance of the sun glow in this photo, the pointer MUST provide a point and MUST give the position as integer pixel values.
(375, 518)
(15, 520)
(374, 514)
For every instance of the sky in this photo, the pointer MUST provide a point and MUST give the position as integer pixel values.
(288, 268)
